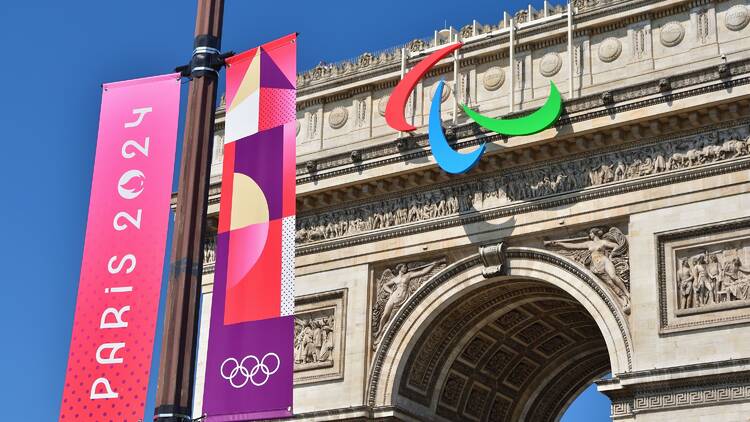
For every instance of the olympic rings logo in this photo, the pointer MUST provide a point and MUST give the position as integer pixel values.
(239, 370)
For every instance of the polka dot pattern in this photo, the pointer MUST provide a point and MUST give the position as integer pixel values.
(277, 106)
(287, 266)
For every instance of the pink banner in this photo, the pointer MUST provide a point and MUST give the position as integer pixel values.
(123, 255)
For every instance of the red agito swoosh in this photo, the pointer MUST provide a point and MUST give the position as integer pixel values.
(394, 110)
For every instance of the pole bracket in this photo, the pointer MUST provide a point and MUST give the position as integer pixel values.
(206, 59)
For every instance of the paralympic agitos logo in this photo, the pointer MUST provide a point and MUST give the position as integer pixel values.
(447, 158)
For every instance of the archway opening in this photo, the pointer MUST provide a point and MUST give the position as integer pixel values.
(513, 349)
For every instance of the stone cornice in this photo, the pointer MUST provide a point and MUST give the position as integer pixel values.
(577, 110)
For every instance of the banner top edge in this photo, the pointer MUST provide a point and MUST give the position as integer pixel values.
(137, 81)
(271, 45)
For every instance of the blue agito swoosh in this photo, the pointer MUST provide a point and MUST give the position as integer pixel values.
(450, 160)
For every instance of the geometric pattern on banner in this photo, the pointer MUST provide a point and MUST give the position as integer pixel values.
(274, 107)
(252, 322)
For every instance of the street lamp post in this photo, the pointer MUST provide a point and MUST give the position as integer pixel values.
(174, 398)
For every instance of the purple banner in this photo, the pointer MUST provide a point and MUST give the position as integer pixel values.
(250, 363)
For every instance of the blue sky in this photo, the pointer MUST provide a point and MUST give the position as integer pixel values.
(57, 55)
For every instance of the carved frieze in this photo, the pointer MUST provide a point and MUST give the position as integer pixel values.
(705, 276)
(319, 335)
(605, 253)
(393, 286)
(526, 184)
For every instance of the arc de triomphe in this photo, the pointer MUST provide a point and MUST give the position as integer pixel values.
(616, 242)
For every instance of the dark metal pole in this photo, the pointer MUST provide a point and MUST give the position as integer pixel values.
(174, 399)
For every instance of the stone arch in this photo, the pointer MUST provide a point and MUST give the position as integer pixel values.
(462, 320)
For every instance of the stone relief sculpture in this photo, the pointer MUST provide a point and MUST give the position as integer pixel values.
(605, 255)
(712, 277)
(313, 341)
(526, 184)
(394, 286)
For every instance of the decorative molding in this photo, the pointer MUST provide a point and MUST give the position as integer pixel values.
(493, 259)
(382, 103)
(320, 337)
(388, 154)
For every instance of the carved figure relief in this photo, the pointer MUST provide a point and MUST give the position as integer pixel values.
(704, 276)
(526, 184)
(493, 78)
(605, 254)
(671, 34)
(550, 64)
(609, 50)
(319, 325)
(737, 17)
(713, 276)
(394, 286)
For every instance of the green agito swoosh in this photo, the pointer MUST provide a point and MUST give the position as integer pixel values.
(533, 123)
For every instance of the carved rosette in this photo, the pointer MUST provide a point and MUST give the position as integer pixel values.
(609, 50)
(737, 17)
(493, 78)
(671, 34)
(446, 92)
(338, 117)
(550, 64)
